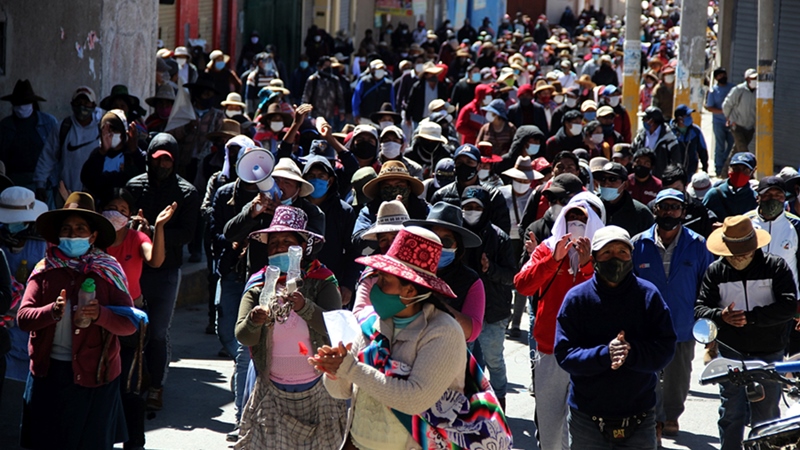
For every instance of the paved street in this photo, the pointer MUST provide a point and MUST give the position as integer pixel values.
(198, 405)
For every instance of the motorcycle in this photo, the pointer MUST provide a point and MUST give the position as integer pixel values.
(778, 434)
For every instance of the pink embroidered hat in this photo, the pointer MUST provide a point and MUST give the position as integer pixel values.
(291, 219)
(413, 256)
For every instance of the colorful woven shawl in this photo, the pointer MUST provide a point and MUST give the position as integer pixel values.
(472, 420)
(94, 261)
(315, 270)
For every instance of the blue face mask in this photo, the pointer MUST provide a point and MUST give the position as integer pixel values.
(320, 187)
(589, 115)
(16, 227)
(287, 202)
(386, 305)
(532, 149)
(74, 247)
(219, 65)
(476, 77)
(448, 256)
(281, 261)
(304, 65)
(608, 129)
(687, 121)
(609, 194)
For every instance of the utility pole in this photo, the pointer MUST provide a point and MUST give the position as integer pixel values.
(765, 92)
(632, 61)
(691, 56)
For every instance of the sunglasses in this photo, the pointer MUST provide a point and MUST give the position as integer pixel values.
(670, 206)
(447, 242)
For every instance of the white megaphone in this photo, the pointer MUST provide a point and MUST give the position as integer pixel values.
(255, 167)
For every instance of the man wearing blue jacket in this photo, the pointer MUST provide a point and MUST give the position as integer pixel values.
(613, 335)
(673, 258)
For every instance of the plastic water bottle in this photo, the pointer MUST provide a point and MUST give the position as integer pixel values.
(85, 295)
(272, 275)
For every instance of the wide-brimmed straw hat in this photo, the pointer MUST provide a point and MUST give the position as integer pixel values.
(48, 224)
(392, 170)
(276, 85)
(586, 81)
(274, 109)
(736, 237)
(233, 99)
(19, 204)
(386, 110)
(288, 219)
(413, 256)
(390, 219)
(216, 54)
(229, 129)
(287, 168)
(523, 170)
(445, 215)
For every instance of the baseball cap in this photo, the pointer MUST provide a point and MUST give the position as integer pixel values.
(159, 153)
(770, 182)
(85, 91)
(564, 185)
(683, 110)
(469, 151)
(615, 170)
(745, 158)
(666, 194)
(366, 129)
(750, 73)
(605, 111)
(394, 129)
(609, 234)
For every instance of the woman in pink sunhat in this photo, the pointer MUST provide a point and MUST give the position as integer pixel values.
(406, 373)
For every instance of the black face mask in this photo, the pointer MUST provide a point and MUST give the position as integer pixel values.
(204, 103)
(81, 112)
(641, 171)
(722, 81)
(365, 150)
(429, 146)
(614, 270)
(770, 209)
(160, 173)
(465, 173)
(667, 223)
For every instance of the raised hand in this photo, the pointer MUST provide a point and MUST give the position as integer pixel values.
(165, 215)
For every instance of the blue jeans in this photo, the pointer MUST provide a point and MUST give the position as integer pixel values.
(723, 143)
(491, 341)
(160, 291)
(229, 295)
(735, 411)
(584, 434)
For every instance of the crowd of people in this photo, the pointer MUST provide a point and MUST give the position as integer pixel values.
(437, 183)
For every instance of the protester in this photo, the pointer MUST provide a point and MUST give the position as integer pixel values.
(613, 335)
(739, 108)
(73, 389)
(734, 196)
(723, 138)
(752, 329)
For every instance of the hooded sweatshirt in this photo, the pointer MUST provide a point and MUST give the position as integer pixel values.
(471, 118)
(152, 196)
(519, 146)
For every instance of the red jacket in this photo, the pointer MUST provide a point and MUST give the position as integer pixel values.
(471, 117)
(36, 316)
(534, 277)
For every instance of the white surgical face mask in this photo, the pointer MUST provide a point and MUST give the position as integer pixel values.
(116, 139)
(520, 188)
(751, 84)
(23, 111)
(571, 102)
(576, 228)
(613, 101)
(472, 217)
(276, 126)
(597, 138)
(669, 79)
(254, 39)
(418, 68)
(390, 150)
(116, 218)
(575, 129)
(532, 149)
(559, 99)
(230, 113)
(379, 74)
(483, 174)
(649, 84)
(486, 100)
(386, 123)
(181, 62)
(490, 116)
